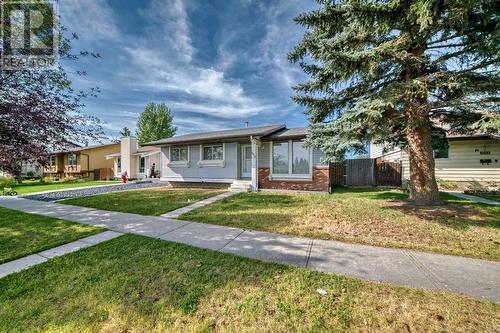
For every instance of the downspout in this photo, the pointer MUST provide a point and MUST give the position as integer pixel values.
(255, 161)
(88, 163)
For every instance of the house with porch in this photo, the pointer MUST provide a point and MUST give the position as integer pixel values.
(87, 162)
(266, 157)
(106, 161)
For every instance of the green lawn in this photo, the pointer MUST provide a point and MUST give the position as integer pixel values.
(137, 284)
(22, 234)
(146, 202)
(31, 187)
(494, 197)
(374, 217)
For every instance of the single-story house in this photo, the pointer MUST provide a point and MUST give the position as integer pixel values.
(266, 157)
(472, 158)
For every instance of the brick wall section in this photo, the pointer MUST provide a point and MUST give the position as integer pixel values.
(318, 183)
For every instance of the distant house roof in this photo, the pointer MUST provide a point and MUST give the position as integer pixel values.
(225, 135)
(77, 149)
(473, 137)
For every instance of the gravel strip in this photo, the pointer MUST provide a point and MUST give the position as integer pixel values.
(83, 192)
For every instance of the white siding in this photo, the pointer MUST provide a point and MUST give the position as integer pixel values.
(463, 162)
(376, 150)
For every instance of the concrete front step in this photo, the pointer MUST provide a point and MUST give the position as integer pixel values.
(241, 185)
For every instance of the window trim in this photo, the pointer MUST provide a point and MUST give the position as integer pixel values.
(215, 163)
(52, 160)
(144, 169)
(183, 163)
(290, 175)
(76, 160)
(118, 165)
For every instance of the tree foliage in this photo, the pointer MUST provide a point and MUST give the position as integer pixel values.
(40, 111)
(125, 132)
(155, 123)
(399, 72)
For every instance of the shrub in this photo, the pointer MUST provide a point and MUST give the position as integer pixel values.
(447, 184)
(30, 174)
(68, 179)
(7, 182)
(47, 180)
(477, 188)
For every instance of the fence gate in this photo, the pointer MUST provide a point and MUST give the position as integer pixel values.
(388, 173)
(364, 172)
(360, 172)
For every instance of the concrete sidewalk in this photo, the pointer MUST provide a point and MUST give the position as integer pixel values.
(178, 212)
(474, 198)
(474, 277)
(38, 258)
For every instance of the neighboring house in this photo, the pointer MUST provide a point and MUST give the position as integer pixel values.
(272, 157)
(105, 161)
(135, 160)
(87, 162)
(474, 158)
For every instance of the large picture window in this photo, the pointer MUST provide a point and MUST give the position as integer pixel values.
(213, 153)
(179, 154)
(291, 158)
(300, 158)
(280, 157)
(72, 159)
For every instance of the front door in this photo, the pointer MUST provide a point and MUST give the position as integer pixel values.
(246, 161)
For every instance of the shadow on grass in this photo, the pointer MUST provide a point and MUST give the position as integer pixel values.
(141, 283)
(459, 215)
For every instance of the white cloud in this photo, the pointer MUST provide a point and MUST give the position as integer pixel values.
(169, 67)
(90, 19)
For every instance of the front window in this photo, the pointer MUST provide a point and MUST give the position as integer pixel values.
(119, 165)
(441, 152)
(72, 159)
(142, 164)
(291, 158)
(300, 158)
(280, 157)
(52, 161)
(215, 152)
(179, 154)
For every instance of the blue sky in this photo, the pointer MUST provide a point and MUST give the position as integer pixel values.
(216, 64)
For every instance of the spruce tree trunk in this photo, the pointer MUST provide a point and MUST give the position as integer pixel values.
(423, 186)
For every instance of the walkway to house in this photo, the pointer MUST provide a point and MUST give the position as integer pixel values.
(474, 277)
(474, 198)
(178, 212)
(90, 190)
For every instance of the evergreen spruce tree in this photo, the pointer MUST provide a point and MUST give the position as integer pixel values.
(400, 72)
(155, 123)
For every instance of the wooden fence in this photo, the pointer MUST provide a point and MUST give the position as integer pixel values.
(364, 172)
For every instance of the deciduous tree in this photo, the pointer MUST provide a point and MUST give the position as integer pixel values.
(155, 123)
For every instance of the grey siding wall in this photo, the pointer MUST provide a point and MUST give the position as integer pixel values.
(213, 173)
